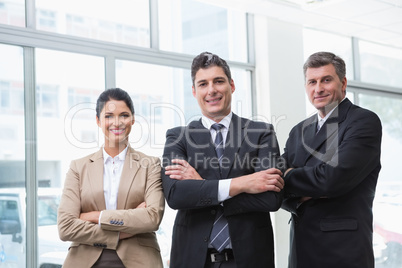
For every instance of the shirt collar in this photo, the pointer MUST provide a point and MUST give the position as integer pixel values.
(330, 112)
(121, 156)
(207, 122)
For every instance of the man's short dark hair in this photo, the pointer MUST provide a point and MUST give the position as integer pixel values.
(323, 58)
(206, 60)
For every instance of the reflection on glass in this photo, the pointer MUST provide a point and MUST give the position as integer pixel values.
(120, 21)
(315, 41)
(67, 87)
(12, 12)
(380, 65)
(192, 27)
(388, 199)
(12, 130)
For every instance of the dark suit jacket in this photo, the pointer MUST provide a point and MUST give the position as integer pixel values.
(250, 147)
(339, 168)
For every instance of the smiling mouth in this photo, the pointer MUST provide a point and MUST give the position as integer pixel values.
(117, 131)
(320, 97)
(214, 100)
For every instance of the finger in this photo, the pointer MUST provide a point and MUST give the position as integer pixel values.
(180, 162)
(176, 177)
(173, 172)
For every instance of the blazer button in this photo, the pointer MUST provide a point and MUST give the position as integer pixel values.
(213, 212)
(205, 239)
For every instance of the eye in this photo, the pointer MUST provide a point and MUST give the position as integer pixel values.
(108, 116)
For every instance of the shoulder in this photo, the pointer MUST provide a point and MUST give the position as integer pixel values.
(251, 124)
(89, 158)
(148, 160)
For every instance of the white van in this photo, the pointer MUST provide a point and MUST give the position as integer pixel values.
(51, 250)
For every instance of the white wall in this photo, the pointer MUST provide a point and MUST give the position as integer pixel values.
(280, 96)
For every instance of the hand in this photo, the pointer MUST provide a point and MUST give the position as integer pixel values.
(142, 205)
(92, 216)
(258, 182)
(182, 171)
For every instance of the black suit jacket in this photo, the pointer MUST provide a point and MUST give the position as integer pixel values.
(338, 167)
(250, 146)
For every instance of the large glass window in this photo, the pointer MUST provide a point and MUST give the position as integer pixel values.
(380, 65)
(67, 86)
(315, 41)
(120, 21)
(12, 157)
(12, 12)
(191, 27)
(388, 200)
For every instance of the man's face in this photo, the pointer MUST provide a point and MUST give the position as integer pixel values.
(324, 88)
(213, 91)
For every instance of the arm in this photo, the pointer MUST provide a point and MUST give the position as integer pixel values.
(189, 193)
(142, 219)
(266, 181)
(356, 156)
(70, 226)
(267, 165)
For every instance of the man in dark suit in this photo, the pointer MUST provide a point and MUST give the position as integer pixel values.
(204, 179)
(334, 161)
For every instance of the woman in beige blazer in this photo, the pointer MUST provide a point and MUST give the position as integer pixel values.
(112, 200)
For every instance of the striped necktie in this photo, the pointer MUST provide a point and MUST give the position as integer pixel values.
(219, 237)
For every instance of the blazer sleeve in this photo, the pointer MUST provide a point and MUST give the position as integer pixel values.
(185, 194)
(140, 220)
(356, 156)
(70, 226)
(268, 156)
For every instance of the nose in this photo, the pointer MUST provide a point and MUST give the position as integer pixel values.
(117, 120)
(211, 89)
(318, 88)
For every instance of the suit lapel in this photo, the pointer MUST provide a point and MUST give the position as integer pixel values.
(130, 169)
(200, 139)
(328, 132)
(95, 177)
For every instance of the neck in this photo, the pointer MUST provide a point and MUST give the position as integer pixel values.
(115, 149)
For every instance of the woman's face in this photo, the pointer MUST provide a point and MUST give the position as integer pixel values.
(115, 121)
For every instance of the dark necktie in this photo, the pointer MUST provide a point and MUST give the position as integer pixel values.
(219, 237)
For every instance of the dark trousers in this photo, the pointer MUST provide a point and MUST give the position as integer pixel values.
(108, 259)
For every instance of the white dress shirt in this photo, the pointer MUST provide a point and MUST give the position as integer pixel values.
(112, 170)
(321, 120)
(224, 185)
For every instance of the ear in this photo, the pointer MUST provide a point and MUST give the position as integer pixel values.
(232, 85)
(194, 93)
(98, 122)
(344, 85)
(133, 120)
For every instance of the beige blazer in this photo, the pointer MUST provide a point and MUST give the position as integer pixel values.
(83, 192)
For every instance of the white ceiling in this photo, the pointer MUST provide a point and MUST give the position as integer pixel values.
(379, 21)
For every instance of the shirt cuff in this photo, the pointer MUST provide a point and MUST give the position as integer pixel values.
(223, 190)
(100, 216)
